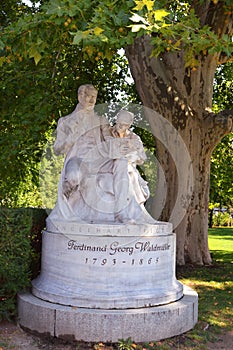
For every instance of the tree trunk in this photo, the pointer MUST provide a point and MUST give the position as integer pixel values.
(186, 133)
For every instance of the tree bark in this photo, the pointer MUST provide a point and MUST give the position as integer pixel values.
(183, 98)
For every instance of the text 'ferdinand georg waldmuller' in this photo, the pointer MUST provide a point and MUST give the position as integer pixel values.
(115, 247)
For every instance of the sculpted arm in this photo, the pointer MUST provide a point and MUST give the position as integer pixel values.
(140, 150)
(64, 138)
(134, 150)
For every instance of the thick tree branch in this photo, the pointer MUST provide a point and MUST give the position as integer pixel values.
(220, 124)
(226, 119)
(218, 17)
(201, 9)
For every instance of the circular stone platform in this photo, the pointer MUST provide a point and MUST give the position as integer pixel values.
(98, 325)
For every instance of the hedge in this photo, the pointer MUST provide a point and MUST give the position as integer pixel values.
(20, 248)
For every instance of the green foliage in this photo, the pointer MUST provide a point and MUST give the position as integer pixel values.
(126, 344)
(11, 10)
(221, 187)
(223, 87)
(38, 225)
(15, 257)
(104, 26)
(20, 249)
(222, 219)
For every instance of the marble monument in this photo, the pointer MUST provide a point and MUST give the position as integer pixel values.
(108, 268)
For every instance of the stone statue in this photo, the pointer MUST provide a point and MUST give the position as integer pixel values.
(105, 261)
(126, 178)
(99, 182)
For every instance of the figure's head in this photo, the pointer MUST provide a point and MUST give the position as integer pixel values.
(87, 95)
(124, 120)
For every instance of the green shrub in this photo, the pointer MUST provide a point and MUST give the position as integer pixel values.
(38, 224)
(222, 219)
(20, 245)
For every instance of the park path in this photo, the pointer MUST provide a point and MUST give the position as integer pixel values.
(13, 337)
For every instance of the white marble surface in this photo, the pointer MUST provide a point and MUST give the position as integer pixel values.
(123, 266)
(99, 181)
(108, 229)
(98, 325)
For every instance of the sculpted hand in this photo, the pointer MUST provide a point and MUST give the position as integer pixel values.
(69, 187)
(132, 157)
(124, 150)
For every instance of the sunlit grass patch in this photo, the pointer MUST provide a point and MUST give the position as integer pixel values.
(214, 284)
(221, 239)
(215, 301)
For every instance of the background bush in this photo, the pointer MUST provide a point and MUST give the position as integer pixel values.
(222, 219)
(20, 247)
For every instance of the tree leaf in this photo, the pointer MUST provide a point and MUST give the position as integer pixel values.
(137, 18)
(37, 57)
(2, 60)
(78, 37)
(136, 27)
(98, 30)
(55, 7)
(140, 4)
(34, 53)
(2, 45)
(160, 14)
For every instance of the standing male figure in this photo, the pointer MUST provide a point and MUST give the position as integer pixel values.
(78, 134)
(76, 124)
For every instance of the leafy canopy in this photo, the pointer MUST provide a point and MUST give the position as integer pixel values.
(221, 186)
(72, 43)
(102, 27)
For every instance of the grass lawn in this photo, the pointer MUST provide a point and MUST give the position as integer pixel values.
(214, 285)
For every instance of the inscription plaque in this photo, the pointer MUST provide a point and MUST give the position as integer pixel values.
(110, 270)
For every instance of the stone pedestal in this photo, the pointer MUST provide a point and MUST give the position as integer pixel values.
(95, 325)
(108, 266)
(107, 282)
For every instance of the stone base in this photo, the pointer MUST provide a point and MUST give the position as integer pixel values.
(108, 266)
(100, 325)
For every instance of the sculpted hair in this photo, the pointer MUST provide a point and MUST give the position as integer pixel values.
(86, 87)
(125, 117)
